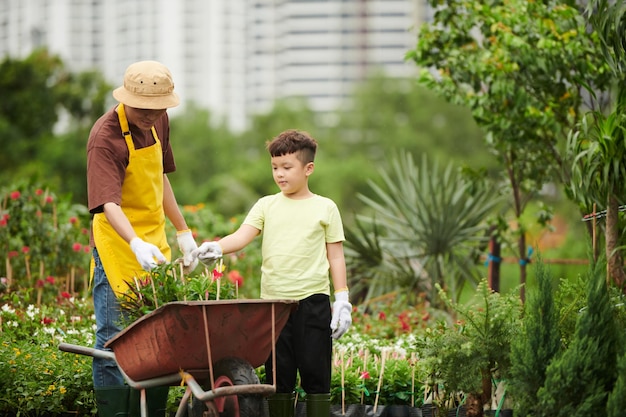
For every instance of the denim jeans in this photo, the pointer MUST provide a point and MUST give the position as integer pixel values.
(108, 316)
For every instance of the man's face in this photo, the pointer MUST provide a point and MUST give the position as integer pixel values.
(143, 118)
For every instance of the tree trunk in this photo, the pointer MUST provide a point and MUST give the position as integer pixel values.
(615, 261)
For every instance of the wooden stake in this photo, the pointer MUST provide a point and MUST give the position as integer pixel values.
(383, 354)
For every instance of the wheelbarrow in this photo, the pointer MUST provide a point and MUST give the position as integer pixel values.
(215, 344)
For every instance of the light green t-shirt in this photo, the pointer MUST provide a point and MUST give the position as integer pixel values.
(294, 237)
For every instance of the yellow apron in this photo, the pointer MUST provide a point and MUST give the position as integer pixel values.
(142, 202)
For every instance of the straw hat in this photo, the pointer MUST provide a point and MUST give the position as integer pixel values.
(147, 85)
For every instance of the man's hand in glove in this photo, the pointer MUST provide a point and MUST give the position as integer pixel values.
(208, 251)
(187, 245)
(342, 310)
(146, 253)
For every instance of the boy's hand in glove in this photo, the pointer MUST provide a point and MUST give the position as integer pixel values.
(342, 319)
(208, 251)
(187, 245)
(146, 254)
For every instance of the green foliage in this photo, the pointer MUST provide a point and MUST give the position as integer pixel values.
(579, 381)
(535, 345)
(37, 92)
(426, 226)
(616, 402)
(167, 283)
(42, 235)
(35, 378)
(526, 71)
(467, 355)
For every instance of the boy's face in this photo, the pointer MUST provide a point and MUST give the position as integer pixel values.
(291, 175)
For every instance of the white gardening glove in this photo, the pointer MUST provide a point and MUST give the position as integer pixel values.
(342, 319)
(187, 244)
(146, 253)
(208, 251)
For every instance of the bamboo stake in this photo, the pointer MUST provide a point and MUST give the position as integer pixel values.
(156, 302)
(9, 273)
(413, 379)
(383, 354)
(343, 383)
(138, 288)
(28, 274)
(364, 370)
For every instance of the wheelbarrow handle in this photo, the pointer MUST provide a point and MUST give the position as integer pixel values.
(82, 350)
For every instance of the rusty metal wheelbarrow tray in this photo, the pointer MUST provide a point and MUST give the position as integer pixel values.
(194, 335)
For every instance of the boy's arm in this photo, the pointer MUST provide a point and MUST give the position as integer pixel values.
(231, 243)
(239, 239)
(337, 261)
(342, 309)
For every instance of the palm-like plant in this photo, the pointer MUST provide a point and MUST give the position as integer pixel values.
(599, 146)
(425, 228)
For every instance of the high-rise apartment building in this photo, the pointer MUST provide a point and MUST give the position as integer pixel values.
(234, 57)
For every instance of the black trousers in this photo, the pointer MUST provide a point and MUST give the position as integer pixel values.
(304, 346)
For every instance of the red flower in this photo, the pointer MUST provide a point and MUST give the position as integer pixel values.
(50, 279)
(217, 274)
(382, 316)
(25, 249)
(49, 199)
(15, 195)
(73, 220)
(404, 325)
(365, 375)
(76, 247)
(3, 222)
(40, 283)
(38, 191)
(66, 295)
(86, 248)
(425, 316)
(235, 277)
(12, 254)
(47, 320)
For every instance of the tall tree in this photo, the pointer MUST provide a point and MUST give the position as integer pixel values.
(40, 97)
(599, 145)
(521, 68)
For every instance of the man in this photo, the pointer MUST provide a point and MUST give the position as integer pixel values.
(130, 196)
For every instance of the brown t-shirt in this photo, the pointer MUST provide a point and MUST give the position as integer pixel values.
(107, 157)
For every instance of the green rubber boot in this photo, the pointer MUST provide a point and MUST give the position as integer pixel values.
(156, 402)
(318, 405)
(112, 401)
(282, 404)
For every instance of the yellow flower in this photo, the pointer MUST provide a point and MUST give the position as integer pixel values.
(62, 390)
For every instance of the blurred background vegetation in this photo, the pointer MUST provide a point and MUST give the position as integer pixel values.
(47, 111)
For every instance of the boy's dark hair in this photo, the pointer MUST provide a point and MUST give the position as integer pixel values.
(294, 141)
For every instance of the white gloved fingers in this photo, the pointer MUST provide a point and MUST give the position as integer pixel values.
(208, 251)
(147, 254)
(186, 242)
(187, 245)
(341, 319)
(345, 320)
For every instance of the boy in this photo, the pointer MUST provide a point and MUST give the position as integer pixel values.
(302, 241)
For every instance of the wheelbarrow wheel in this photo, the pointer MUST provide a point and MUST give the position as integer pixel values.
(239, 372)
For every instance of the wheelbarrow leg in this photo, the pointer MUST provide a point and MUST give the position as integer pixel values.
(148, 402)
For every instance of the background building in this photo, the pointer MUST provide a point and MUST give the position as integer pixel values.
(234, 57)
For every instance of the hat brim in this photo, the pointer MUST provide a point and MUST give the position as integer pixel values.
(166, 101)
